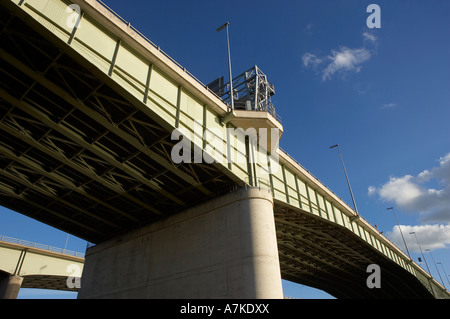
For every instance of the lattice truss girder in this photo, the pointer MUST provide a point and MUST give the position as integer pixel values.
(318, 253)
(46, 282)
(75, 153)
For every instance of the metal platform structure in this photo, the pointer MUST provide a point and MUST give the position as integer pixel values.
(252, 91)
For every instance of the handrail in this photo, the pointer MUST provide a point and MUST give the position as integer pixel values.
(156, 47)
(270, 109)
(40, 246)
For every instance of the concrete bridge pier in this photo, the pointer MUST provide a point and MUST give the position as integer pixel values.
(10, 286)
(225, 248)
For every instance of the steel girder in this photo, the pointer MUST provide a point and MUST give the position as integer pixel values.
(325, 255)
(76, 153)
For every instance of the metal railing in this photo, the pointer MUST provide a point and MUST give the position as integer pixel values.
(155, 46)
(258, 182)
(40, 246)
(270, 109)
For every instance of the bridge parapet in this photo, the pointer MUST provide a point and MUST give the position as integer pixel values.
(31, 244)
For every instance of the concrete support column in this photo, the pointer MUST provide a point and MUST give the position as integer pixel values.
(225, 248)
(10, 286)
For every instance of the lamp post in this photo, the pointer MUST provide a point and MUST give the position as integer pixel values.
(435, 266)
(430, 279)
(414, 233)
(401, 233)
(229, 61)
(65, 246)
(346, 176)
(445, 273)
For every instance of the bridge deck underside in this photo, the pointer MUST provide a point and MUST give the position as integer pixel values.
(47, 282)
(324, 255)
(43, 282)
(77, 154)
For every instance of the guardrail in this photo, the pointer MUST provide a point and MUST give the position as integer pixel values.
(258, 182)
(270, 109)
(40, 246)
(156, 46)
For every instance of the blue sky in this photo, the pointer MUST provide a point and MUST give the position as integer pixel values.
(383, 94)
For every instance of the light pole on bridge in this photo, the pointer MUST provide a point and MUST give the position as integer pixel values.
(420, 248)
(348, 182)
(229, 62)
(445, 273)
(401, 233)
(429, 272)
(435, 266)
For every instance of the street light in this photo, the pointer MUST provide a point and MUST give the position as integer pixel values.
(435, 266)
(430, 279)
(414, 233)
(445, 273)
(229, 61)
(346, 176)
(65, 246)
(401, 233)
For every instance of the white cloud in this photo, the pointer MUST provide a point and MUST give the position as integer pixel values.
(369, 37)
(443, 171)
(401, 190)
(411, 193)
(415, 195)
(345, 60)
(429, 237)
(342, 61)
(372, 190)
(389, 106)
(308, 29)
(310, 59)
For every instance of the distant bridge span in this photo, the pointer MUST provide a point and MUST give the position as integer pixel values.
(24, 264)
(86, 115)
